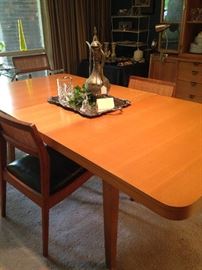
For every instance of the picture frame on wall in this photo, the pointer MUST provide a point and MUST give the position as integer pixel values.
(142, 3)
(144, 6)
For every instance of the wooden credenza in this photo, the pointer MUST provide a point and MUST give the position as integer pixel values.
(189, 80)
(182, 43)
(186, 72)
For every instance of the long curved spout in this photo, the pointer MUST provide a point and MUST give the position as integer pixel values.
(90, 68)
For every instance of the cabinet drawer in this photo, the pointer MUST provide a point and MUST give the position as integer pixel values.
(189, 71)
(189, 90)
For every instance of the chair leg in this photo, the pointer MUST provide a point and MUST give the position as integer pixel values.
(3, 198)
(11, 152)
(45, 229)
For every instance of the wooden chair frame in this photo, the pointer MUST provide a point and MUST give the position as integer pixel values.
(25, 137)
(160, 87)
(28, 64)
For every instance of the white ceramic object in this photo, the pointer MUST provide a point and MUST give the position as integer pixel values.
(195, 48)
(138, 55)
(198, 38)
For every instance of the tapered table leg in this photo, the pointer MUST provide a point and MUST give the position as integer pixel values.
(111, 207)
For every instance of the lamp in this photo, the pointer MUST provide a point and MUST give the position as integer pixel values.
(159, 28)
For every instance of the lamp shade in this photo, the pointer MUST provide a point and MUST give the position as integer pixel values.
(161, 27)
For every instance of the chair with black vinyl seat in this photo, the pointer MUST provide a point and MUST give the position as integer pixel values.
(43, 175)
(163, 88)
(28, 64)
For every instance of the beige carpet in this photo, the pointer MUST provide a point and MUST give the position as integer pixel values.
(146, 241)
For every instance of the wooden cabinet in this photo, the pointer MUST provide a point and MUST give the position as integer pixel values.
(189, 90)
(191, 37)
(190, 71)
(163, 70)
(186, 73)
(184, 18)
(189, 81)
(184, 65)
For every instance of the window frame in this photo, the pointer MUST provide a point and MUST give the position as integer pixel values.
(41, 6)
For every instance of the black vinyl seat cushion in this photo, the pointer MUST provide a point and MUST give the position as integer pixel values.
(63, 170)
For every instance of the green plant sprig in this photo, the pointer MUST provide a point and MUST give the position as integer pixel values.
(78, 95)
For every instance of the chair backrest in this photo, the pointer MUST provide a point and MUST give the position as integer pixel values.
(20, 134)
(30, 63)
(160, 87)
(25, 137)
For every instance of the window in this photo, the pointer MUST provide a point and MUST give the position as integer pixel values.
(30, 14)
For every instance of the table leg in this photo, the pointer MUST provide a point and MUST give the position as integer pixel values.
(111, 207)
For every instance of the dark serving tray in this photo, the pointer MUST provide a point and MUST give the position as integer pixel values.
(119, 104)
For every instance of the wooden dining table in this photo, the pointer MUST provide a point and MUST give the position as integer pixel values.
(151, 150)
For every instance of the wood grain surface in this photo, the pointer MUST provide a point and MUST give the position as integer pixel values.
(151, 150)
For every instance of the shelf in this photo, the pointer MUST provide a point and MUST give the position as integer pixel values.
(194, 22)
(130, 17)
(129, 31)
(131, 43)
(196, 57)
(167, 22)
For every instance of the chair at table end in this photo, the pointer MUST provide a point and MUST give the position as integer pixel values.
(163, 88)
(29, 64)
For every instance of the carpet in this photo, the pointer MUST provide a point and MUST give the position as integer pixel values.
(146, 241)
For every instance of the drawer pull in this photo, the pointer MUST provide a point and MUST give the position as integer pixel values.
(194, 72)
(196, 64)
(192, 96)
(193, 83)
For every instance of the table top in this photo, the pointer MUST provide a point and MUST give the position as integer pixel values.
(152, 150)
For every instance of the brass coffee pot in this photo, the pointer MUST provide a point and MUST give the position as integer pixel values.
(97, 83)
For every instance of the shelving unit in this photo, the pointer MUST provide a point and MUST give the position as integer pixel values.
(130, 31)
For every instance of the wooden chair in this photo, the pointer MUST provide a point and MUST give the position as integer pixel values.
(27, 64)
(43, 175)
(163, 88)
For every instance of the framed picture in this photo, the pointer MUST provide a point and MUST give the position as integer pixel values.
(143, 6)
(142, 3)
